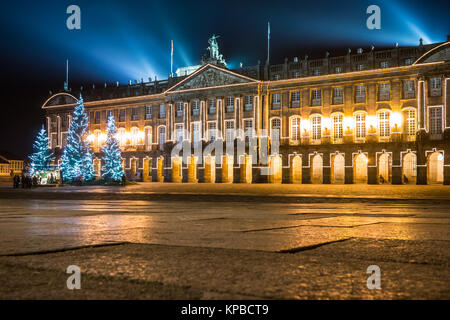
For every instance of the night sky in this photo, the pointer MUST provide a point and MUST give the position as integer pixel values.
(127, 40)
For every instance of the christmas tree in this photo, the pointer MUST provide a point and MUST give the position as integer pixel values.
(76, 161)
(42, 155)
(112, 171)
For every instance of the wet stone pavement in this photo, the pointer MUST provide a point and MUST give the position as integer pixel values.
(155, 241)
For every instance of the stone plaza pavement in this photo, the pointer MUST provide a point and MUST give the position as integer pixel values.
(203, 241)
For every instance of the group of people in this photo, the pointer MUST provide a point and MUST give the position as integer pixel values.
(28, 181)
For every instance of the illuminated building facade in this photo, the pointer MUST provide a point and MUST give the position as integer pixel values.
(365, 117)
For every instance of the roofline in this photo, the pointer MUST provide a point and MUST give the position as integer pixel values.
(204, 67)
(429, 51)
(271, 82)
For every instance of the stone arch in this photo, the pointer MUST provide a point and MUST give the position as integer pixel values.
(384, 168)
(409, 168)
(337, 169)
(296, 169)
(317, 169)
(360, 168)
(435, 168)
(276, 169)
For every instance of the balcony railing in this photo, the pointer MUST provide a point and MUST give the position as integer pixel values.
(248, 107)
(276, 105)
(316, 102)
(337, 100)
(383, 96)
(408, 95)
(436, 92)
(360, 99)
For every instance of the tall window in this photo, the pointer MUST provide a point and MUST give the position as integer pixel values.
(338, 95)
(316, 127)
(248, 103)
(162, 111)
(384, 64)
(383, 93)
(195, 108)
(410, 122)
(360, 125)
(384, 127)
(316, 97)
(409, 61)
(229, 104)
(230, 130)
(179, 133)
(276, 129)
(295, 99)
(121, 136)
(435, 86)
(212, 134)
(134, 136)
(337, 127)
(408, 89)
(317, 72)
(360, 93)
(148, 137)
(162, 135)
(97, 117)
(435, 121)
(338, 69)
(248, 127)
(148, 112)
(122, 115)
(360, 67)
(212, 106)
(134, 114)
(276, 100)
(179, 111)
(196, 132)
(295, 129)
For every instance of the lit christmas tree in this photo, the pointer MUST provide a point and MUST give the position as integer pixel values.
(77, 157)
(112, 171)
(42, 155)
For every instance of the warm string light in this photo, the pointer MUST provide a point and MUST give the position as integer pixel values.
(135, 137)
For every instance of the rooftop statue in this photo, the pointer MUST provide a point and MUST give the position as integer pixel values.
(213, 49)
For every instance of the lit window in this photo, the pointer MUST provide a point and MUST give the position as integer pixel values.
(410, 123)
(276, 77)
(134, 136)
(337, 127)
(384, 127)
(97, 117)
(409, 61)
(317, 72)
(338, 69)
(316, 127)
(384, 64)
(360, 121)
(295, 129)
(360, 67)
(148, 137)
(297, 74)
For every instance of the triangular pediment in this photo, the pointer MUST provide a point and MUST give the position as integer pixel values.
(210, 76)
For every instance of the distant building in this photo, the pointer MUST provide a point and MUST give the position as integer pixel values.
(8, 162)
(365, 117)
